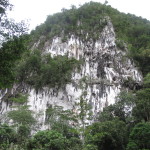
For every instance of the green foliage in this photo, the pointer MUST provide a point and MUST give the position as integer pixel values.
(83, 22)
(147, 81)
(71, 134)
(52, 139)
(139, 137)
(132, 109)
(23, 132)
(109, 135)
(48, 140)
(56, 115)
(141, 110)
(24, 121)
(7, 136)
(84, 109)
(143, 57)
(23, 135)
(134, 31)
(22, 115)
(11, 47)
(84, 114)
(89, 20)
(10, 53)
(40, 70)
(107, 114)
(130, 83)
(121, 110)
(64, 122)
(120, 44)
(90, 147)
(19, 98)
(142, 105)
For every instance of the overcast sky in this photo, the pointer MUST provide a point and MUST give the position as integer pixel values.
(36, 11)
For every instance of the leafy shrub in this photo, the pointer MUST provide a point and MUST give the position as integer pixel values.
(87, 23)
(22, 115)
(49, 140)
(7, 136)
(40, 70)
(139, 137)
(108, 135)
(10, 52)
(19, 98)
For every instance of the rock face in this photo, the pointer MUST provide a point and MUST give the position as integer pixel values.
(105, 71)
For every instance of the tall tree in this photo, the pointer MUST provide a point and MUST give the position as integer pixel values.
(10, 53)
(142, 103)
(11, 47)
(139, 137)
(108, 135)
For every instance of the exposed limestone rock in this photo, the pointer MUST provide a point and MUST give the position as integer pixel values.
(101, 76)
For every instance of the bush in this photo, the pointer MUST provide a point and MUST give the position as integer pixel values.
(40, 70)
(139, 137)
(108, 135)
(48, 140)
(7, 136)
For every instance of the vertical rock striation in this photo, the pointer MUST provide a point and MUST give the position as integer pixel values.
(105, 71)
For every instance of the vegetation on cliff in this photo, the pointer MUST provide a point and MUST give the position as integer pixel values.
(123, 125)
(88, 21)
(40, 71)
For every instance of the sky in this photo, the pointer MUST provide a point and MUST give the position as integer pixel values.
(35, 12)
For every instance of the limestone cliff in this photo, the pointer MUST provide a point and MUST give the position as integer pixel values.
(105, 71)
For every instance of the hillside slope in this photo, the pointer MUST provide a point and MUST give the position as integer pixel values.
(93, 44)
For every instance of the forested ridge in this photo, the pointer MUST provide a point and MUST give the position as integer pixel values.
(124, 125)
